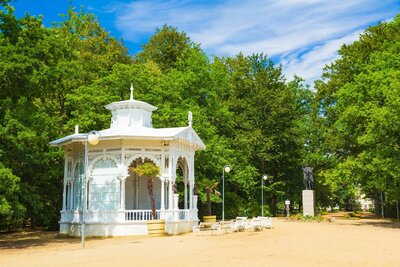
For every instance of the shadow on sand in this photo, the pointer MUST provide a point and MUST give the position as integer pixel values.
(33, 238)
(370, 219)
(378, 223)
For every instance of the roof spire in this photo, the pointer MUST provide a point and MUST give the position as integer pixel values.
(190, 118)
(131, 92)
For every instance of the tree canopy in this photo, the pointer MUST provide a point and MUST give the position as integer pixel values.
(357, 115)
(246, 112)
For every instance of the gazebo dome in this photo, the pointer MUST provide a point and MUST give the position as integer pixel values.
(131, 113)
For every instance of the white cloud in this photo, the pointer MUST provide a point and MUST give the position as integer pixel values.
(310, 65)
(280, 28)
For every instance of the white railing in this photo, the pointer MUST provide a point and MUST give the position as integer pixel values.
(184, 214)
(169, 215)
(67, 216)
(100, 216)
(141, 215)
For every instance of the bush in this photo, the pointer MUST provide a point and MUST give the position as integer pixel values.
(299, 216)
(12, 212)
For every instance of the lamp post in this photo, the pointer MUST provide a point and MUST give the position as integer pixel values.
(226, 169)
(93, 138)
(264, 177)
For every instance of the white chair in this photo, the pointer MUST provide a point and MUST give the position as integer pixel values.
(254, 224)
(266, 222)
(216, 227)
(241, 223)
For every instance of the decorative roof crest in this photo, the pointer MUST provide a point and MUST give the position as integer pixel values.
(131, 92)
(190, 118)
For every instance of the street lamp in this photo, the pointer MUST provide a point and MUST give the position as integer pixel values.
(93, 138)
(226, 169)
(264, 177)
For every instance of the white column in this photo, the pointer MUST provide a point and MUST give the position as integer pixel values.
(67, 193)
(191, 187)
(64, 204)
(64, 183)
(171, 180)
(87, 194)
(72, 194)
(125, 175)
(191, 181)
(122, 192)
(163, 179)
(162, 193)
(166, 192)
(185, 182)
(170, 195)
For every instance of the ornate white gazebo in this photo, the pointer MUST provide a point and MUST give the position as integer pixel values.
(117, 198)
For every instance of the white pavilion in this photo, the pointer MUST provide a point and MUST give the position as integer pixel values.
(117, 198)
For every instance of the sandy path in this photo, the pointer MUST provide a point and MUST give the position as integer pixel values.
(339, 243)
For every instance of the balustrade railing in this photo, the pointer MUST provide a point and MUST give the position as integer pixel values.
(141, 215)
(92, 216)
(144, 215)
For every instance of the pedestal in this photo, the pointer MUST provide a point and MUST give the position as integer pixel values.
(176, 208)
(308, 203)
(176, 201)
(195, 202)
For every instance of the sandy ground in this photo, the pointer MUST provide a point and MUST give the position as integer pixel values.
(365, 242)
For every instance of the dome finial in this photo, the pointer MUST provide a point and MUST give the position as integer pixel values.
(131, 92)
(190, 118)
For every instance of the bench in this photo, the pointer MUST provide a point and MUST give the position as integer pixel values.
(214, 227)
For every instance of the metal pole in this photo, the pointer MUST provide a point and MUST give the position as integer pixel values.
(84, 194)
(223, 193)
(382, 211)
(397, 206)
(262, 196)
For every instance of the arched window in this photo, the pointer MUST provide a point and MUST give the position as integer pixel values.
(78, 177)
(104, 189)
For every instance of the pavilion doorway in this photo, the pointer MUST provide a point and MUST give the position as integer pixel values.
(136, 190)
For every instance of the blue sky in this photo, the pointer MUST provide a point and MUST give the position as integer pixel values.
(303, 35)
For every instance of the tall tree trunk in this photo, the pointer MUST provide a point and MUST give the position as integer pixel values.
(208, 192)
(151, 194)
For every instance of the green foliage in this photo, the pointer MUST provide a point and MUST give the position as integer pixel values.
(12, 212)
(269, 134)
(356, 116)
(165, 47)
(39, 69)
(209, 187)
(245, 111)
(147, 169)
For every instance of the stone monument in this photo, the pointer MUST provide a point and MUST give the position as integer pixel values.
(308, 194)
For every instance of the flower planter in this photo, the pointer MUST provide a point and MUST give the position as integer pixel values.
(156, 227)
(209, 220)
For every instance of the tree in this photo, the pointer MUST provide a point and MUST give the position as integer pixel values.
(209, 187)
(165, 47)
(150, 171)
(269, 134)
(40, 68)
(359, 99)
(12, 212)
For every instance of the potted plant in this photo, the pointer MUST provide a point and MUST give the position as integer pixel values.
(210, 187)
(149, 170)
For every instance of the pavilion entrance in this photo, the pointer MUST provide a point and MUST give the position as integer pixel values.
(136, 190)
